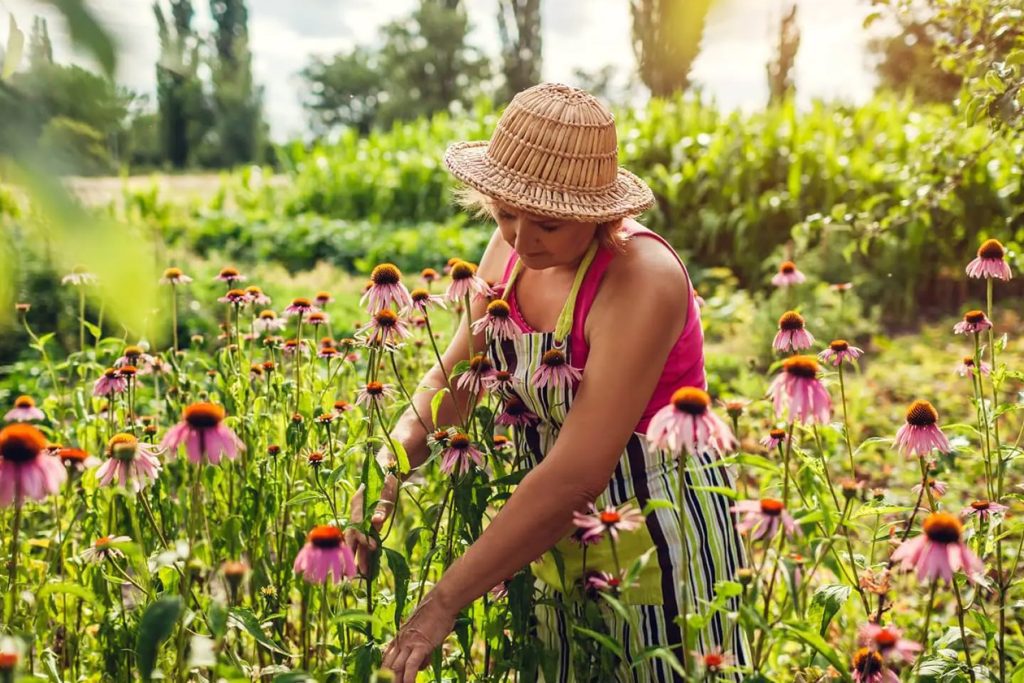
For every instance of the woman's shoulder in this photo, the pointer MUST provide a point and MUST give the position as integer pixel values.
(649, 259)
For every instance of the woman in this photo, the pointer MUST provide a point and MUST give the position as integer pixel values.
(585, 289)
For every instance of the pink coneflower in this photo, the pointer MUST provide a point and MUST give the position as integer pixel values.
(516, 414)
(460, 452)
(839, 350)
(325, 556)
(135, 355)
(104, 548)
(317, 318)
(292, 347)
(983, 509)
(384, 329)
(501, 443)
(775, 438)
(429, 275)
(465, 281)
(256, 296)
(555, 371)
(497, 323)
(268, 321)
(792, 335)
(501, 383)
(328, 352)
(920, 433)
(229, 274)
(973, 322)
(299, 306)
(131, 464)
(762, 518)
(841, 287)
(422, 301)
(204, 434)
(174, 276)
(991, 262)
(24, 410)
(439, 438)
(78, 277)
(386, 289)
(323, 298)
(939, 551)
(688, 424)
(110, 382)
(500, 590)
(75, 460)
(27, 470)
(237, 297)
(712, 662)
(374, 394)
(798, 389)
(342, 407)
(935, 487)
(967, 367)
(473, 379)
(889, 642)
(869, 667)
(598, 581)
(595, 524)
(734, 407)
(788, 275)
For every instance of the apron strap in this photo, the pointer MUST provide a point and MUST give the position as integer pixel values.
(564, 325)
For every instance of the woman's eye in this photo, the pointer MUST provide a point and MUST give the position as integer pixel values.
(505, 214)
(549, 228)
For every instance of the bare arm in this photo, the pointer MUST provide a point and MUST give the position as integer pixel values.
(632, 333)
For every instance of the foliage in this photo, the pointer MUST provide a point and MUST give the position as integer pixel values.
(780, 76)
(666, 41)
(519, 26)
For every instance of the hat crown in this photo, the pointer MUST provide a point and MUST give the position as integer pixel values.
(558, 136)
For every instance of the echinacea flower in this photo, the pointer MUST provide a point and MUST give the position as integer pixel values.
(516, 414)
(342, 407)
(299, 306)
(555, 371)
(839, 350)
(920, 434)
(991, 262)
(323, 298)
(328, 352)
(75, 460)
(317, 318)
(24, 410)
(973, 322)
(889, 642)
(597, 581)
(204, 434)
(798, 389)
(500, 590)
(256, 296)
(374, 393)
(439, 437)
(465, 281)
(983, 509)
(110, 382)
(386, 289)
(792, 335)
(762, 518)
(712, 662)
(500, 382)
(473, 379)
(734, 407)
(229, 274)
(460, 452)
(687, 424)
(935, 487)
(325, 557)
(422, 301)
(131, 464)
(595, 524)
(268, 321)
(429, 275)
(27, 470)
(497, 323)
(238, 297)
(135, 355)
(78, 277)
(967, 367)
(869, 667)
(939, 551)
(775, 438)
(788, 275)
(104, 548)
(174, 276)
(384, 329)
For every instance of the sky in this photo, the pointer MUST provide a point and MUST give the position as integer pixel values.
(738, 40)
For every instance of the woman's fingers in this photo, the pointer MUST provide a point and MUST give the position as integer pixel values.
(416, 660)
(386, 505)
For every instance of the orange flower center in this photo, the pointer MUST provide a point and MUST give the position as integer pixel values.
(498, 308)
(610, 517)
(942, 527)
(302, 302)
(777, 433)
(981, 505)
(325, 536)
(886, 639)
(24, 402)
(480, 363)
(790, 321)
(253, 290)
(419, 295)
(228, 272)
(127, 370)
(315, 458)
(991, 249)
(72, 455)
(459, 441)
(21, 443)
(691, 400)
(341, 405)
(553, 358)
(316, 318)
(102, 543)
(801, 366)
(267, 315)
(204, 415)
(386, 318)
(173, 273)
(974, 317)
(429, 274)
(133, 351)
(500, 440)
(235, 294)
(922, 414)
(839, 345)
(515, 406)
(386, 274)
(235, 569)
(713, 660)
(122, 446)
(8, 660)
(867, 662)
(969, 361)
(375, 388)
(462, 270)
(323, 297)
(110, 373)
(771, 507)
(787, 267)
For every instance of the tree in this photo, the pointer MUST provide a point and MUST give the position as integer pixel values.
(344, 90)
(40, 49)
(666, 41)
(905, 62)
(237, 102)
(184, 114)
(519, 29)
(780, 78)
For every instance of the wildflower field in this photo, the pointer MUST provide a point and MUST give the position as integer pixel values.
(193, 508)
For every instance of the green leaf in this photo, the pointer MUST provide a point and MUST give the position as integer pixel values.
(155, 627)
(657, 504)
(601, 638)
(67, 588)
(435, 405)
(247, 621)
(827, 601)
(400, 570)
(87, 33)
(722, 490)
(15, 45)
(818, 643)
(399, 451)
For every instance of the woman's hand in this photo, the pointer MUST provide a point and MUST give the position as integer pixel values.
(361, 544)
(425, 630)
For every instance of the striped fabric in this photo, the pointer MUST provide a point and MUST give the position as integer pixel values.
(642, 474)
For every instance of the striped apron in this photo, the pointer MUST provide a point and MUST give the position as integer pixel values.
(641, 474)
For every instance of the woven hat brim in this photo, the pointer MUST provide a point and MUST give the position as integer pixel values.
(627, 196)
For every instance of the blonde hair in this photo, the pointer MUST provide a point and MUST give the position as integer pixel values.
(611, 233)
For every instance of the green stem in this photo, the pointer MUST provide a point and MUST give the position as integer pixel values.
(963, 632)
(12, 582)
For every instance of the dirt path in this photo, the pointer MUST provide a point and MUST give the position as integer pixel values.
(98, 191)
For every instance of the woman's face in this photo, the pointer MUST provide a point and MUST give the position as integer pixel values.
(542, 242)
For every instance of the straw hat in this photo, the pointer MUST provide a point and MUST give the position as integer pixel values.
(553, 153)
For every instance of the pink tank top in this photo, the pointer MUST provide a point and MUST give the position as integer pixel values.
(685, 364)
